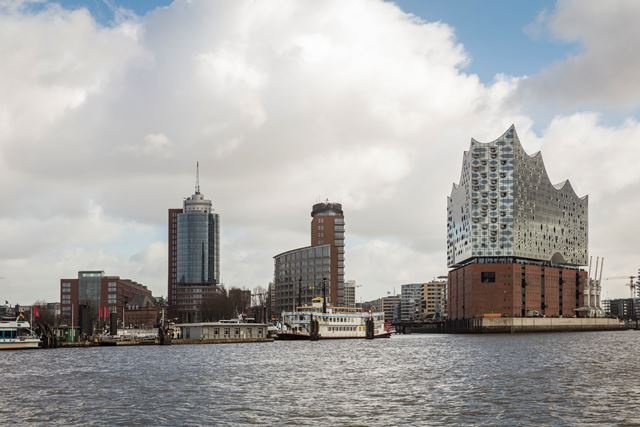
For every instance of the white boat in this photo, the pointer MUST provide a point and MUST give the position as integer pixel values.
(330, 323)
(17, 334)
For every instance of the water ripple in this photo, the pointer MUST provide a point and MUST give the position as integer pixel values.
(538, 379)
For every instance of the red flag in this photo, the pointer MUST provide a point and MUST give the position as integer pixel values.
(36, 311)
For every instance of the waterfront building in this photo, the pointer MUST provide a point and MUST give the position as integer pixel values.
(350, 293)
(301, 274)
(327, 228)
(623, 308)
(194, 255)
(411, 302)
(515, 242)
(88, 301)
(223, 331)
(390, 305)
(434, 299)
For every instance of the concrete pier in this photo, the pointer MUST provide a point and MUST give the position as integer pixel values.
(533, 324)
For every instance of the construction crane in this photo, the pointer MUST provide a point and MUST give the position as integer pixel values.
(632, 286)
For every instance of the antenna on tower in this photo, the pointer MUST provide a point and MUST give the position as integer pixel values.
(197, 178)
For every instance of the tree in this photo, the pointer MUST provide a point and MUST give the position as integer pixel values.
(45, 314)
(260, 298)
(215, 307)
(225, 305)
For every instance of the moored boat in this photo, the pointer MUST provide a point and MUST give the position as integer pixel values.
(318, 321)
(17, 334)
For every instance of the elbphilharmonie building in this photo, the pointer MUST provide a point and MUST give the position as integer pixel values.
(515, 241)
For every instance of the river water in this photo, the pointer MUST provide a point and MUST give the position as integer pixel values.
(522, 379)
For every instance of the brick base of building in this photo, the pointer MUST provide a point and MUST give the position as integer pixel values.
(514, 289)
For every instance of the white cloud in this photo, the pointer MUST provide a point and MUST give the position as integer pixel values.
(603, 74)
(600, 160)
(283, 105)
(152, 145)
(53, 61)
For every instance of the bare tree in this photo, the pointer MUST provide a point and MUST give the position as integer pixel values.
(225, 305)
(45, 315)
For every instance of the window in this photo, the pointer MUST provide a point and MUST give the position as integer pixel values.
(488, 277)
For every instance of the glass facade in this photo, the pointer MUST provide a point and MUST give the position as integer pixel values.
(505, 206)
(410, 301)
(299, 276)
(198, 247)
(89, 287)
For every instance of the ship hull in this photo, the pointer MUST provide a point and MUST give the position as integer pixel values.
(19, 345)
(285, 336)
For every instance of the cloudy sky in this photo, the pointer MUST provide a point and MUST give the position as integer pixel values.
(105, 106)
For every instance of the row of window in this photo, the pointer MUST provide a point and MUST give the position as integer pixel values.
(236, 332)
(7, 334)
(344, 328)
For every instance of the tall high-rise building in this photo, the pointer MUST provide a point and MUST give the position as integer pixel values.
(194, 255)
(300, 274)
(515, 241)
(327, 228)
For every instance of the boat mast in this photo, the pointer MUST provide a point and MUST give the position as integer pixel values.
(324, 294)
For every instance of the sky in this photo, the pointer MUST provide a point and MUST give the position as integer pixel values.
(106, 106)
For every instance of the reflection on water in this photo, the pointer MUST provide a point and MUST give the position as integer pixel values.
(559, 379)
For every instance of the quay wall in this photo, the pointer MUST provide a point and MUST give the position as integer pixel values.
(533, 324)
(220, 341)
(86, 344)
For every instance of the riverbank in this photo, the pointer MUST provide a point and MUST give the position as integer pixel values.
(121, 343)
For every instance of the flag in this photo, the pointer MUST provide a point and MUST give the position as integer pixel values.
(36, 311)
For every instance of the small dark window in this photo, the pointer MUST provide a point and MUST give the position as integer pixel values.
(488, 277)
